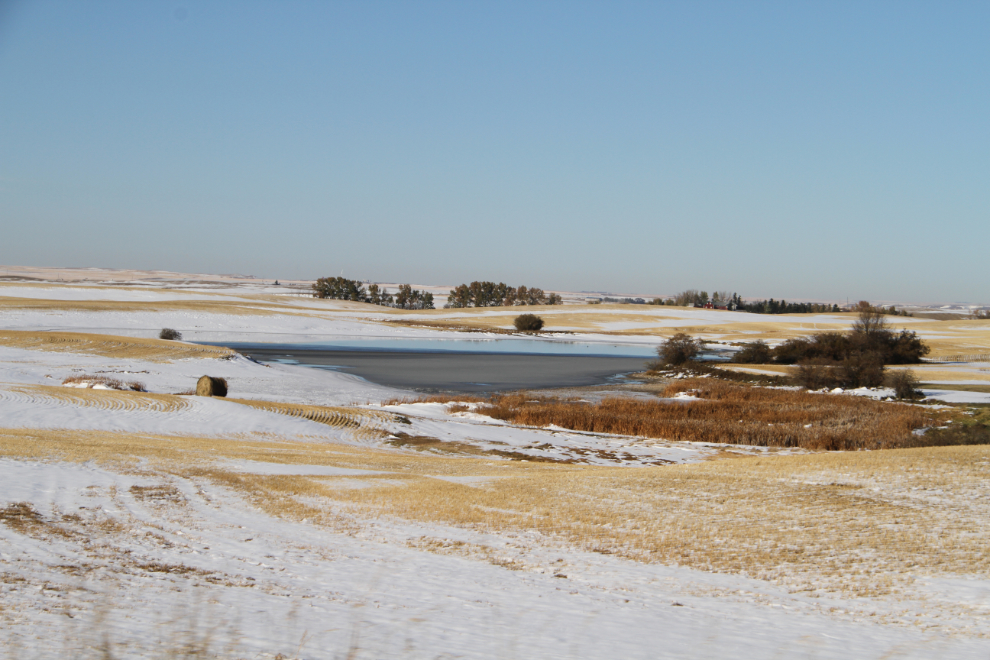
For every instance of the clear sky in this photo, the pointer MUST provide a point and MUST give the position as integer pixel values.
(795, 149)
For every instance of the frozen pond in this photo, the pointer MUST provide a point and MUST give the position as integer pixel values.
(500, 346)
(463, 365)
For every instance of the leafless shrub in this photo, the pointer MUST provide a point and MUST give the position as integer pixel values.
(758, 352)
(856, 370)
(905, 384)
(862, 370)
(678, 350)
(170, 334)
(816, 374)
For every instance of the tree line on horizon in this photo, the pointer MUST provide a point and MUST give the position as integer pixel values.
(490, 294)
(697, 298)
(341, 288)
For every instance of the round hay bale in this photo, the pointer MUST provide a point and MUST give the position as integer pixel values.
(211, 386)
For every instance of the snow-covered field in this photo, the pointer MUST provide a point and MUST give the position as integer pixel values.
(297, 518)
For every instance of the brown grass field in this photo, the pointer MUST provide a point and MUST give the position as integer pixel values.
(859, 523)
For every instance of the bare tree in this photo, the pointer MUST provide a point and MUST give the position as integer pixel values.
(679, 349)
(871, 323)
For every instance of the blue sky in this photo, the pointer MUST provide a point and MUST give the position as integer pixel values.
(796, 149)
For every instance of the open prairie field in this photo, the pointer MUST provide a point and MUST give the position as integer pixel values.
(862, 523)
(313, 514)
(861, 538)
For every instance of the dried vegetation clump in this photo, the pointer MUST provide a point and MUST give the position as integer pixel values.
(733, 414)
(677, 350)
(528, 323)
(87, 381)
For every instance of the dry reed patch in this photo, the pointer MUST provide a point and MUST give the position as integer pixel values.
(153, 350)
(112, 400)
(437, 398)
(732, 414)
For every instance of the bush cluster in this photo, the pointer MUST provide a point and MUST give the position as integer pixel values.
(528, 323)
(341, 288)
(170, 334)
(757, 352)
(490, 294)
(678, 350)
(852, 359)
(858, 370)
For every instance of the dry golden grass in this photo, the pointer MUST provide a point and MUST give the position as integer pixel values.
(850, 522)
(930, 373)
(114, 400)
(958, 388)
(775, 369)
(365, 424)
(219, 306)
(152, 350)
(732, 414)
(862, 523)
(115, 449)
